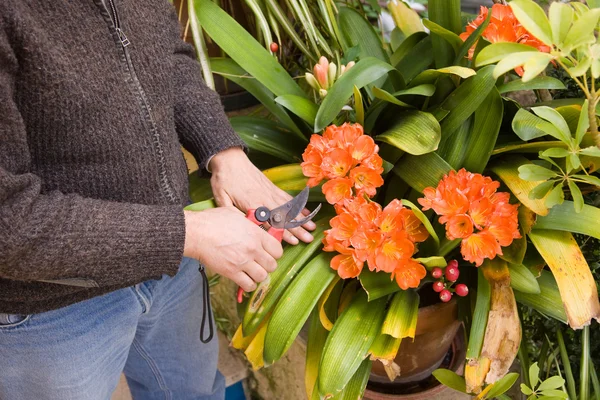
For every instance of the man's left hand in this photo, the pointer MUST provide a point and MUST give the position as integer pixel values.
(237, 182)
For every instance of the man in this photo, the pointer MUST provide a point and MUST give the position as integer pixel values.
(98, 261)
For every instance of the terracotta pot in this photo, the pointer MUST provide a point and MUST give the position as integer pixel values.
(437, 325)
(428, 388)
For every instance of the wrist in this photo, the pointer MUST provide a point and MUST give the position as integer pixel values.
(192, 233)
(225, 157)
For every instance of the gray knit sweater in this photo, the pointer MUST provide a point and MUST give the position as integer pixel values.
(92, 178)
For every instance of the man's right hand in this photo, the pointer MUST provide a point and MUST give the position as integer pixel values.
(227, 243)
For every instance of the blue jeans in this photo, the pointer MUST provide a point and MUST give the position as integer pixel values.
(149, 331)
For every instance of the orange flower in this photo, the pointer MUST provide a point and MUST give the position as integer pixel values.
(414, 228)
(390, 220)
(337, 190)
(311, 167)
(346, 264)
(473, 211)
(503, 27)
(409, 274)
(336, 163)
(375, 162)
(363, 148)
(393, 250)
(343, 226)
(366, 180)
(366, 243)
(343, 136)
(479, 246)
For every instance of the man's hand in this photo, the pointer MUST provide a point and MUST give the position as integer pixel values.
(237, 182)
(227, 243)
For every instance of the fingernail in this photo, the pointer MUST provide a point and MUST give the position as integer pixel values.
(311, 225)
(294, 240)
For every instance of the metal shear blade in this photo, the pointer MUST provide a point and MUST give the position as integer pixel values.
(283, 216)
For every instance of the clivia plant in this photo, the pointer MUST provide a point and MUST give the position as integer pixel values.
(430, 174)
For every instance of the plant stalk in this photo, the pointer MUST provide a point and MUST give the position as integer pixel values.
(566, 365)
(592, 101)
(584, 375)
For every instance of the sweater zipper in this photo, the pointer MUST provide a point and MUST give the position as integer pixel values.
(165, 184)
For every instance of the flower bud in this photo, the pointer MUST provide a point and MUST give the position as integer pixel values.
(321, 75)
(350, 65)
(322, 93)
(331, 74)
(310, 79)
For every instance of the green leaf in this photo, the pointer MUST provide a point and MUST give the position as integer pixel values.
(534, 373)
(431, 75)
(418, 90)
(582, 67)
(497, 51)
(424, 220)
(406, 19)
(417, 59)
(535, 66)
(450, 379)
(356, 387)
(533, 18)
(541, 190)
(525, 389)
(564, 217)
(480, 316)
(233, 72)
(302, 107)
(554, 382)
(364, 72)
(472, 39)
(532, 172)
(591, 151)
(289, 316)
(528, 126)
(450, 37)
(201, 206)
(592, 180)
(577, 196)
(357, 31)
(583, 124)
(422, 171)
(484, 133)
(268, 137)
(267, 294)
(342, 354)
(401, 318)
(556, 196)
(515, 60)
(447, 14)
(407, 45)
(377, 284)
(386, 96)
(199, 188)
(415, 132)
(582, 31)
(523, 280)
(244, 49)
(540, 82)
(359, 108)
(561, 16)
(548, 301)
(433, 261)
(465, 99)
(503, 385)
(556, 152)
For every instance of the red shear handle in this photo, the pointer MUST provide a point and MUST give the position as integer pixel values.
(275, 232)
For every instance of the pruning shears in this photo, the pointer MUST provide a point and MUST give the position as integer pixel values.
(280, 219)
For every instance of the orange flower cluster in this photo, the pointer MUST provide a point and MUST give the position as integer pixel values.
(345, 157)
(503, 27)
(474, 212)
(383, 238)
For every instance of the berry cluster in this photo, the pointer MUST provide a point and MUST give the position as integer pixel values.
(446, 279)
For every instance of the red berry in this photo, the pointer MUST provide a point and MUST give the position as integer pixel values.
(438, 286)
(437, 273)
(452, 263)
(445, 295)
(274, 47)
(461, 289)
(452, 273)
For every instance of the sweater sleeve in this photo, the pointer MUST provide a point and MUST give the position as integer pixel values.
(56, 236)
(200, 120)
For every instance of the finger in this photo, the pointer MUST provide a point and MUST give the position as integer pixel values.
(266, 261)
(310, 225)
(244, 281)
(271, 245)
(223, 200)
(290, 238)
(302, 234)
(255, 271)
